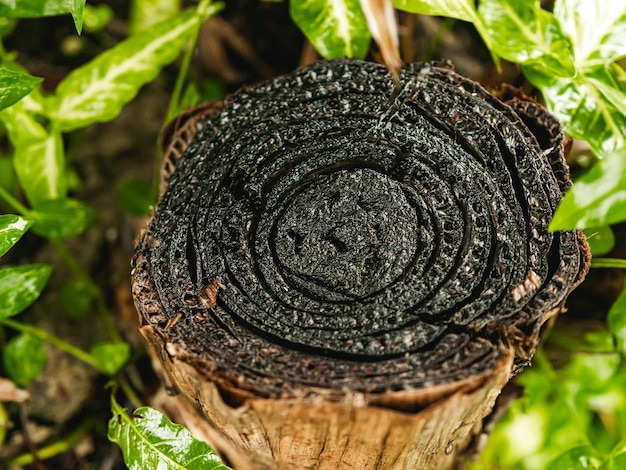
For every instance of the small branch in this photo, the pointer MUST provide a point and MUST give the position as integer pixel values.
(129, 391)
(14, 203)
(55, 341)
(608, 263)
(33, 455)
(53, 449)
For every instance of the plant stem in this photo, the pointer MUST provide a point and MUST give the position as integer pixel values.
(129, 391)
(204, 10)
(172, 107)
(608, 263)
(55, 341)
(55, 448)
(182, 74)
(81, 275)
(14, 203)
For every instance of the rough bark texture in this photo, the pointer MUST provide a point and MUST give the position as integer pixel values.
(341, 274)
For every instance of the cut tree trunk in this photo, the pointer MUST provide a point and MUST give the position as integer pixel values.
(344, 274)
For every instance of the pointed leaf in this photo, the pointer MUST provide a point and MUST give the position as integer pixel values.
(38, 8)
(596, 199)
(24, 358)
(20, 286)
(62, 218)
(14, 86)
(12, 227)
(524, 33)
(111, 356)
(39, 168)
(587, 111)
(38, 158)
(97, 91)
(596, 28)
(337, 28)
(150, 440)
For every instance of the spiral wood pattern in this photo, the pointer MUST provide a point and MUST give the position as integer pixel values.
(325, 232)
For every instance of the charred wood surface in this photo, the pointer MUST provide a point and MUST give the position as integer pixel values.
(341, 274)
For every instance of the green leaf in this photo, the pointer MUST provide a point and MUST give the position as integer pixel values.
(96, 17)
(524, 33)
(601, 240)
(38, 159)
(587, 110)
(616, 320)
(596, 199)
(24, 358)
(337, 28)
(76, 298)
(39, 168)
(111, 356)
(97, 91)
(135, 197)
(146, 13)
(20, 286)
(610, 91)
(150, 440)
(62, 218)
(596, 28)
(592, 372)
(39, 8)
(12, 227)
(459, 9)
(578, 458)
(14, 86)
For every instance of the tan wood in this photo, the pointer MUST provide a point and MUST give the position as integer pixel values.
(360, 431)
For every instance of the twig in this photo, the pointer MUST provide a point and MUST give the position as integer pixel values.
(34, 455)
(55, 341)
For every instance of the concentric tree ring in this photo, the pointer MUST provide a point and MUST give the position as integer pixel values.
(325, 232)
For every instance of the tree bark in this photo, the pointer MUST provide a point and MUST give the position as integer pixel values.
(344, 274)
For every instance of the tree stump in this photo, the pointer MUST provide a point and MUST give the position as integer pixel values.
(344, 274)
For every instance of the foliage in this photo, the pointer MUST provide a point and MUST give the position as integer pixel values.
(36, 124)
(150, 440)
(337, 28)
(570, 417)
(38, 8)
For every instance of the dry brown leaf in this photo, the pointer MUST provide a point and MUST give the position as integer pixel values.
(10, 392)
(383, 25)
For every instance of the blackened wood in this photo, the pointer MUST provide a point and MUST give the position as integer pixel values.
(340, 274)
